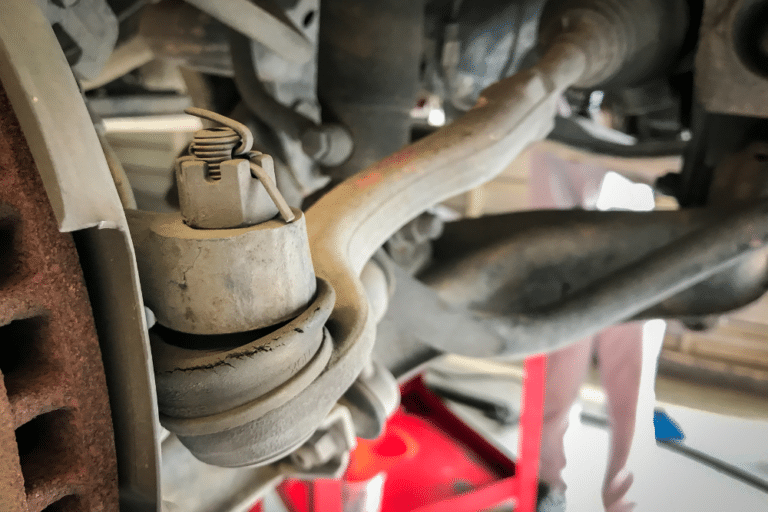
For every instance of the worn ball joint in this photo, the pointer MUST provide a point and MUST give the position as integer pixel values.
(240, 316)
(222, 183)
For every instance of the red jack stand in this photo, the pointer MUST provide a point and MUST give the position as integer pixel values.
(443, 464)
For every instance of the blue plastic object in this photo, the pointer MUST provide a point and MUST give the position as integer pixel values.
(666, 428)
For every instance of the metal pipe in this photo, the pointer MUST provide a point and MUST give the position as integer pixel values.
(275, 32)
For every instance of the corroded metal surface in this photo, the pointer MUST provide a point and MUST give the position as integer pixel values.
(12, 497)
(49, 353)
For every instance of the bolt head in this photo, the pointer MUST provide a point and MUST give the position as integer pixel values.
(315, 143)
(423, 228)
(430, 226)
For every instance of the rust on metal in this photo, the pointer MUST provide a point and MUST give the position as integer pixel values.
(12, 498)
(56, 441)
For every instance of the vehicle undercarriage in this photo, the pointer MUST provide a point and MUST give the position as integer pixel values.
(307, 255)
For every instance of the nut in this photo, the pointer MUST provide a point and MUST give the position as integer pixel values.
(318, 450)
(330, 145)
(423, 228)
(236, 199)
(315, 143)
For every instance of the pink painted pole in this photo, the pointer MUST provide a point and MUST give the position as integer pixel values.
(531, 420)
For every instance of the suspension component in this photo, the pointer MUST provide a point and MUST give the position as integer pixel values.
(627, 42)
(241, 317)
(221, 281)
(222, 183)
(213, 391)
(240, 330)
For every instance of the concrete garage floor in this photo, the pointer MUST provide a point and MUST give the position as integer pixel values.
(669, 481)
(725, 424)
